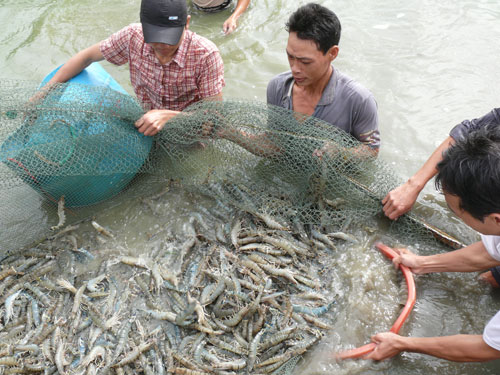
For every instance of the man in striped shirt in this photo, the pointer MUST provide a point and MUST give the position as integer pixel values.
(170, 66)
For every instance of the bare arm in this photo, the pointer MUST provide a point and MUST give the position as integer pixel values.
(77, 63)
(257, 144)
(400, 200)
(231, 23)
(469, 259)
(361, 152)
(154, 120)
(458, 348)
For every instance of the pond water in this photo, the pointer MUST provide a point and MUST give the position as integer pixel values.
(429, 65)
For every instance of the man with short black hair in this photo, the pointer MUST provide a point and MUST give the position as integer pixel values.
(469, 177)
(314, 86)
(170, 66)
(402, 198)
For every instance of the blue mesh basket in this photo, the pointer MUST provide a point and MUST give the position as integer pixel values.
(89, 154)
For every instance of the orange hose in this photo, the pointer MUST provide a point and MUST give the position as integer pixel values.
(410, 302)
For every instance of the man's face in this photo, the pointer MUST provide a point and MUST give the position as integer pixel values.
(167, 51)
(307, 63)
(163, 50)
(490, 225)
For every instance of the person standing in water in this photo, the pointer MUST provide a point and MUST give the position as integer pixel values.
(401, 199)
(314, 87)
(469, 177)
(170, 66)
(210, 6)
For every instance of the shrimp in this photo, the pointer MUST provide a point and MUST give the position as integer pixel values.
(231, 365)
(8, 272)
(235, 231)
(102, 230)
(92, 284)
(252, 352)
(9, 305)
(66, 285)
(60, 213)
(186, 371)
(134, 354)
(97, 351)
(286, 273)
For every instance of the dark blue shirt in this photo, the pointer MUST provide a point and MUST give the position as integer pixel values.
(465, 127)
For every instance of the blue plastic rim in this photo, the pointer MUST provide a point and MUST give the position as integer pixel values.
(44, 153)
(93, 75)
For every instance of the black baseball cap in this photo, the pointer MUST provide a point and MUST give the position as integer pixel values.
(163, 21)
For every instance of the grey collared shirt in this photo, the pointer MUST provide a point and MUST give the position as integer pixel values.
(344, 103)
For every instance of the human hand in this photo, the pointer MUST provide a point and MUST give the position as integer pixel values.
(213, 125)
(207, 129)
(328, 149)
(41, 94)
(400, 200)
(29, 109)
(211, 130)
(408, 259)
(154, 120)
(388, 345)
(229, 25)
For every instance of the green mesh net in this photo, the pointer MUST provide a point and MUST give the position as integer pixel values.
(264, 160)
(75, 141)
(285, 194)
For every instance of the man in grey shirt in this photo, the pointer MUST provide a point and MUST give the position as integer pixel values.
(314, 87)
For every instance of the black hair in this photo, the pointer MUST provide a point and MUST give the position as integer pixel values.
(317, 23)
(470, 170)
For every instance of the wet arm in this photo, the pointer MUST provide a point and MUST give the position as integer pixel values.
(257, 144)
(458, 348)
(231, 23)
(469, 259)
(358, 153)
(401, 199)
(78, 63)
(429, 169)
(241, 6)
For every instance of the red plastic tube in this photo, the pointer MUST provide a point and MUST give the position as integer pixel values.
(410, 302)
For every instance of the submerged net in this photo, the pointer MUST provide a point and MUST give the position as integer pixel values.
(284, 189)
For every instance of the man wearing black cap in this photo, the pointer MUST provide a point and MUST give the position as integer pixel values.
(170, 66)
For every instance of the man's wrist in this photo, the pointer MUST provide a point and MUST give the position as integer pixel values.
(407, 344)
(427, 264)
(416, 183)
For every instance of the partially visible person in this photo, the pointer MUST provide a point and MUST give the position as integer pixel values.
(400, 200)
(170, 66)
(231, 23)
(314, 87)
(469, 177)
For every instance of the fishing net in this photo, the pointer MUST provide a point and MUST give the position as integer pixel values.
(78, 142)
(75, 142)
(293, 182)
